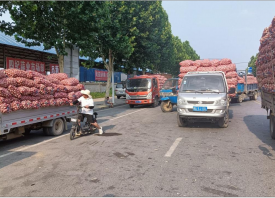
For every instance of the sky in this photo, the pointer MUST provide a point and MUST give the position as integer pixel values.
(221, 29)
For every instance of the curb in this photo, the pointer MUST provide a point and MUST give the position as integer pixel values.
(105, 107)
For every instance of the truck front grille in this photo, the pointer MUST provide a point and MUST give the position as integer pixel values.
(208, 111)
(202, 102)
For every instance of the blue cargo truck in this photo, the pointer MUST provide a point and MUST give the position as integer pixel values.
(244, 90)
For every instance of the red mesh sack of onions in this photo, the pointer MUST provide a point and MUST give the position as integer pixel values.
(70, 82)
(205, 63)
(80, 87)
(215, 63)
(15, 106)
(186, 63)
(26, 104)
(47, 97)
(25, 82)
(78, 94)
(206, 69)
(232, 81)
(197, 63)
(60, 88)
(15, 73)
(50, 90)
(226, 68)
(35, 104)
(59, 76)
(188, 69)
(41, 89)
(179, 82)
(241, 81)
(53, 102)
(60, 102)
(230, 86)
(53, 80)
(26, 98)
(4, 93)
(44, 103)
(71, 88)
(14, 91)
(12, 99)
(29, 74)
(38, 75)
(4, 100)
(66, 101)
(60, 95)
(71, 96)
(2, 74)
(231, 74)
(24, 91)
(42, 81)
(34, 91)
(225, 61)
(5, 108)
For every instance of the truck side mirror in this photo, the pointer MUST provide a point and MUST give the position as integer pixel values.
(232, 90)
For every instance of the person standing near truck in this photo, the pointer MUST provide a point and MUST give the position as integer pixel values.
(87, 104)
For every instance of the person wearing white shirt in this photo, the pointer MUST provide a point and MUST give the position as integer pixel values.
(87, 111)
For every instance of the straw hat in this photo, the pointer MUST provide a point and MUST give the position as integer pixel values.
(86, 92)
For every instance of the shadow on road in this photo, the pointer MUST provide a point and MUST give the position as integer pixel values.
(259, 126)
(15, 157)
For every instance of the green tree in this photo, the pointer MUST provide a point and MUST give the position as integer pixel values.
(58, 24)
(252, 63)
(115, 38)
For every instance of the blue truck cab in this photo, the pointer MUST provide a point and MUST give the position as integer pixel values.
(169, 94)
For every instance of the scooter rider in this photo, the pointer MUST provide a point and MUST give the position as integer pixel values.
(87, 111)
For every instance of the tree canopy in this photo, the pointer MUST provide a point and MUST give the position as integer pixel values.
(252, 63)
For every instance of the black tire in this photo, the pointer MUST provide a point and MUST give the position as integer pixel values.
(73, 132)
(272, 126)
(223, 122)
(240, 99)
(57, 128)
(181, 121)
(118, 97)
(156, 102)
(131, 105)
(165, 107)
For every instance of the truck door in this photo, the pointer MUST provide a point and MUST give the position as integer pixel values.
(155, 88)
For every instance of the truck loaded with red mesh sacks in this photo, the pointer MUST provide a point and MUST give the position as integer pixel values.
(143, 90)
(32, 101)
(224, 65)
(265, 73)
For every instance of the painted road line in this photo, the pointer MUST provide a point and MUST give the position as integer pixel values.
(25, 148)
(173, 147)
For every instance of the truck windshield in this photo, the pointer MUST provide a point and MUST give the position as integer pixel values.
(142, 84)
(170, 83)
(203, 83)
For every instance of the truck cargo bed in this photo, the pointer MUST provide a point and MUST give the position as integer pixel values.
(27, 117)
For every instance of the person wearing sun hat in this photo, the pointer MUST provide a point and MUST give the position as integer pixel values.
(87, 111)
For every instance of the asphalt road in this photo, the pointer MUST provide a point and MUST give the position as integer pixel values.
(144, 153)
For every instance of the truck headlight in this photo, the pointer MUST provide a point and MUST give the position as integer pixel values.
(149, 96)
(222, 102)
(181, 101)
(128, 97)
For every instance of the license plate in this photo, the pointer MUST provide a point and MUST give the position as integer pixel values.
(121, 92)
(138, 101)
(199, 108)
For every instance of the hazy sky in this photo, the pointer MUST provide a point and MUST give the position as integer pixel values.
(221, 29)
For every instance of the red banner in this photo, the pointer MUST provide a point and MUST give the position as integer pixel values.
(23, 64)
(101, 75)
(54, 68)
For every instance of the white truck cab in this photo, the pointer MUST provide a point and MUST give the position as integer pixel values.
(203, 97)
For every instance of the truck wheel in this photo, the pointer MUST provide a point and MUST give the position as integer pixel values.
(73, 132)
(57, 128)
(156, 102)
(131, 105)
(223, 122)
(181, 121)
(272, 126)
(118, 97)
(240, 99)
(255, 96)
(165, 107)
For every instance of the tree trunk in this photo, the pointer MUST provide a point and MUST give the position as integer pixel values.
(143, 71)
(61, 63)
(109, 67)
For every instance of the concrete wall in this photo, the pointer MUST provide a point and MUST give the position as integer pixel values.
(71, 63)
(95, 87)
